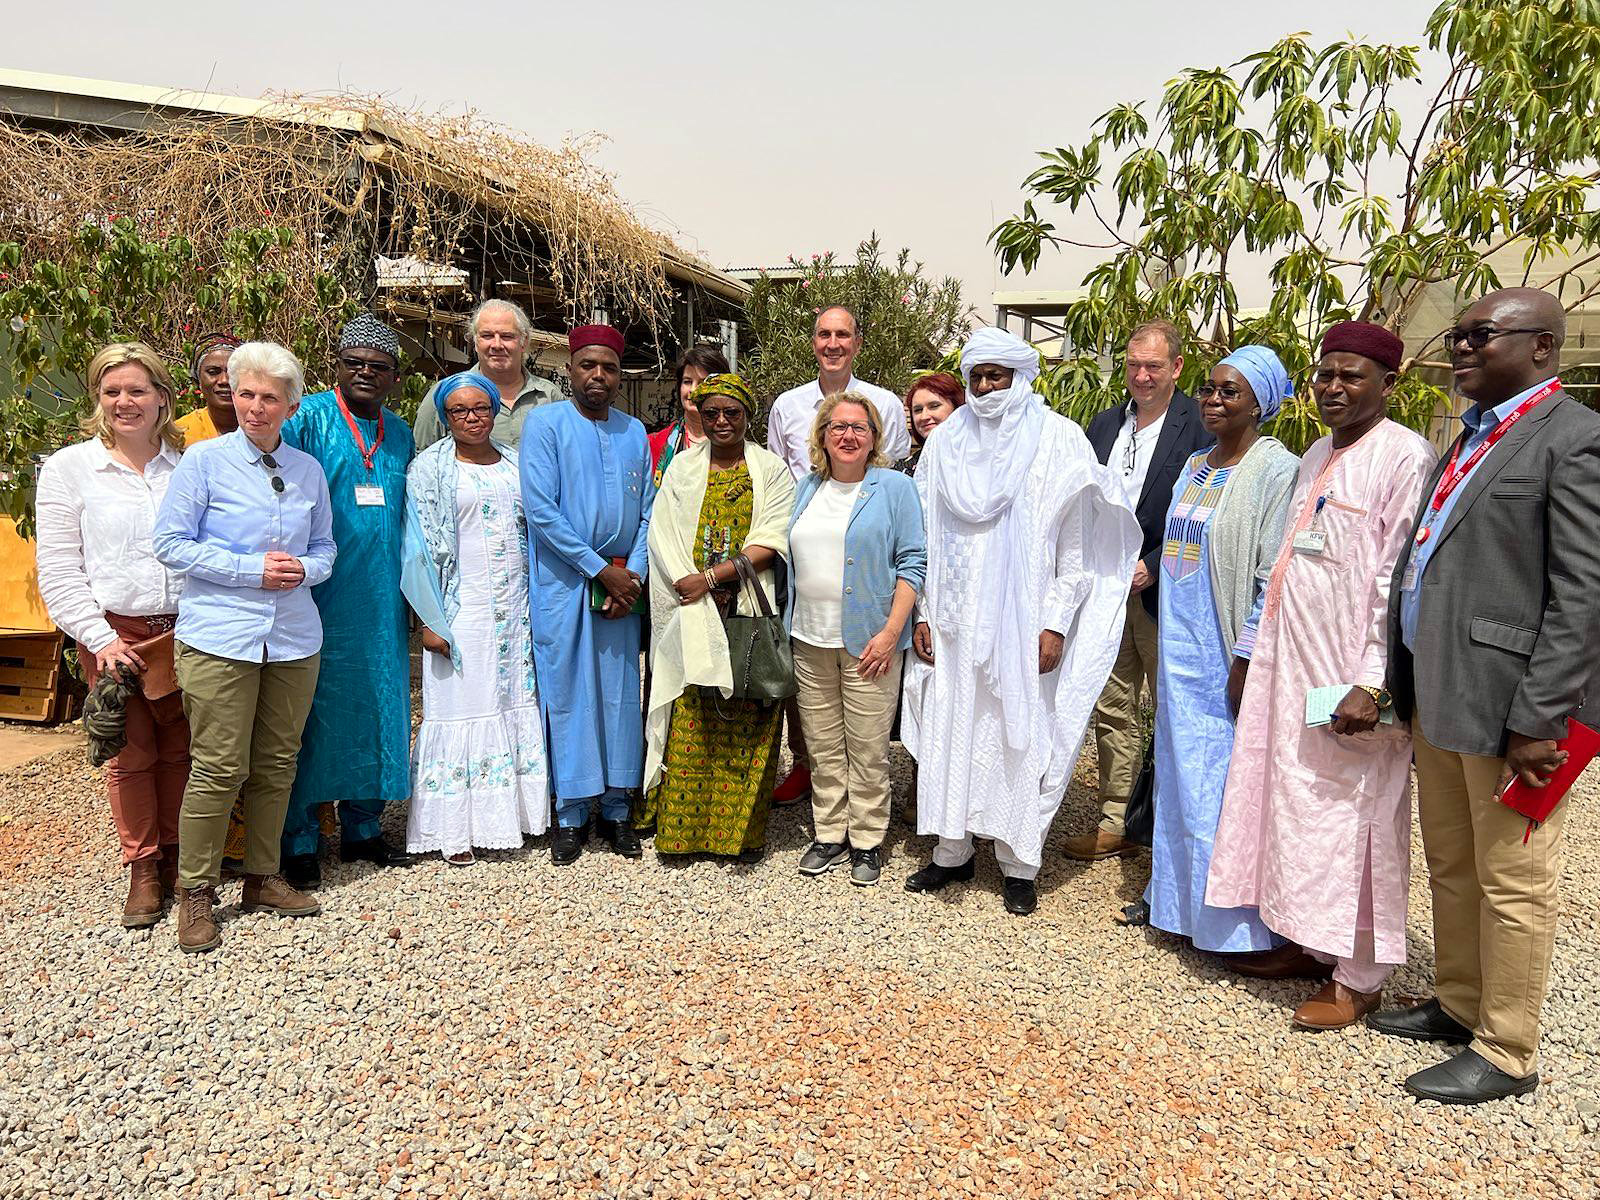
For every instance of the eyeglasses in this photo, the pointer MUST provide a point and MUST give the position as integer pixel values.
(1208, 389)
(357, 365)
(272, 465)
(840, 428)
(719, 416)
(1480, 336)
(478, 412)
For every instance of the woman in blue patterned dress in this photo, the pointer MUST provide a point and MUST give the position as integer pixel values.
(1223, 531)
(478, 768)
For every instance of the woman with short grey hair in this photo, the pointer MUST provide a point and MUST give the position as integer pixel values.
(247, 523)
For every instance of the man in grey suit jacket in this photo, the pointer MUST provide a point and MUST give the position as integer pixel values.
(1494, 621)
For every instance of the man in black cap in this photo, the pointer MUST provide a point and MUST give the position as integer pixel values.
(355, 753)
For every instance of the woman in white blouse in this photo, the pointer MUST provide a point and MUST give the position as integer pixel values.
(96, 502)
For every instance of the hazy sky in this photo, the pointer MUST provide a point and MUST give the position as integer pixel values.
(748, 131)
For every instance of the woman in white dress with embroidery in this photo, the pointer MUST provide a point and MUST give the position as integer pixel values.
(478, 767)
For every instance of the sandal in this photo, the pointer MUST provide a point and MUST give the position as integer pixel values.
(464, 859)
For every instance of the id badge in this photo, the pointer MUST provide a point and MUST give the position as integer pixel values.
(1408, 580)
(369, 495)
(1311, 541)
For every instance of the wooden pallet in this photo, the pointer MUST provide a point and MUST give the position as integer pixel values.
(31, 676)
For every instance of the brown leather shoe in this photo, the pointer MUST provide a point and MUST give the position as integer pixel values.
(169, 872)
(1288, 961)
(1092, 847)
(1334, 1007)
(197, 925)
(270, 893)
(143, 907)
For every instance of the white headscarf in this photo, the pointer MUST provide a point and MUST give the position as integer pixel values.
(986, 448)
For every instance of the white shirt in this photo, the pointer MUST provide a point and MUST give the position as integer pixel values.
(793, 414)
(816, 544)
(1141, 451)
(94, 553)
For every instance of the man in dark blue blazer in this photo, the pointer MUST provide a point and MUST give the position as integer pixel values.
(1146, 442)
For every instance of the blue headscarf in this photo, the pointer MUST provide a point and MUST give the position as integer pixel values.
(1266, 376)
(454, 383)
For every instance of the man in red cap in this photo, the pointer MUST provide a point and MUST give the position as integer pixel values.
(587, 492)
(1315, 829)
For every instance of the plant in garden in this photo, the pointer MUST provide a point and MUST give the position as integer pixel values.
(1301, 157)
(907, 319)
(112, 284)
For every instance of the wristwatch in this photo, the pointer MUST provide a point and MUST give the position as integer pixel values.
(1380, 696)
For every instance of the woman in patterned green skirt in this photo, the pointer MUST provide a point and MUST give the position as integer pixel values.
(711, 760)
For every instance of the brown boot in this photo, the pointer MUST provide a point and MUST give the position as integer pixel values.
(1335, 1007)
(197, 926)
(1288, 961)
(270, 893)
(169, 872)
(144, 894)
(1092, 847)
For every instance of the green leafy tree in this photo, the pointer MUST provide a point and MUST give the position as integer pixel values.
(1297, 156)
(907, 319)
(115, 285)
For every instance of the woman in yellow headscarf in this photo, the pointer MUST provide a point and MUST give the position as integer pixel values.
(711, 760)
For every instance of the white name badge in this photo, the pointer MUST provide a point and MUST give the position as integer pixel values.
(368, 495)
(1311, 541)
(1408, 581)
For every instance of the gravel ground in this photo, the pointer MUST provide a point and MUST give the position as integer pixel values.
(621, 1029)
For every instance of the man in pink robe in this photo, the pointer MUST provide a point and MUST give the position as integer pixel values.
(1315, 829)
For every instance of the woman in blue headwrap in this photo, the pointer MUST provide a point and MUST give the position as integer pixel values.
(1224, 527)
(478, 768)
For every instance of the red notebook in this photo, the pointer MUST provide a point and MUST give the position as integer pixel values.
(1581, 745)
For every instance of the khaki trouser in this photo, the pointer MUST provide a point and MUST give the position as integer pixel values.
(1118, 739)
(846, 720)
(245, 721)
(1494, 902)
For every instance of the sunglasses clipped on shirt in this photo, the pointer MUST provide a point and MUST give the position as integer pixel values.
(272, 466)
(1480, 336)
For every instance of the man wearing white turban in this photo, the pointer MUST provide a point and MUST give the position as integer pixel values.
(1031, 546)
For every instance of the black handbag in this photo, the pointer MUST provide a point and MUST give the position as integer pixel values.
(758, 646)
(1140, 818)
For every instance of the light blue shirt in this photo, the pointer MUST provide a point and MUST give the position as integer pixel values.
(219, 519)
(1479, 426)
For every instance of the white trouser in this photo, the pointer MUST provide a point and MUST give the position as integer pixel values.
(952, 852)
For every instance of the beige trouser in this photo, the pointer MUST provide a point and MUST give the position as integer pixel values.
(846, 720)
(1118, 739)
(1494, 902)
(245, 721)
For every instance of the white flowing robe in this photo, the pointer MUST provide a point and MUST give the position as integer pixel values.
(1311, 817)
(1082, 540)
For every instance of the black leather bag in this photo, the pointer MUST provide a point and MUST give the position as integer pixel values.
(758, 646)
(1139, 821)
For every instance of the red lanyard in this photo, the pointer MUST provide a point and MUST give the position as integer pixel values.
(355, 431)
(1453, 474)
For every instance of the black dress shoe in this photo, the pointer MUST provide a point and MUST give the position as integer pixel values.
(1136, 914)
(1020, 896)
(1421, 1023)
(933, 877)
(375, 851)
(566, 843)
(1468, 1078)
(624, 838)
(301, 871)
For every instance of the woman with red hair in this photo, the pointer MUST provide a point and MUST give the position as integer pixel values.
(931, 400)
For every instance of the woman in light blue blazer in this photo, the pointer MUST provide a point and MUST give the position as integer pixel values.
(858, 555)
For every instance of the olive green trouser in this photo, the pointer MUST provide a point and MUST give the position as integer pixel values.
(1118, 737)
(245, 721)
